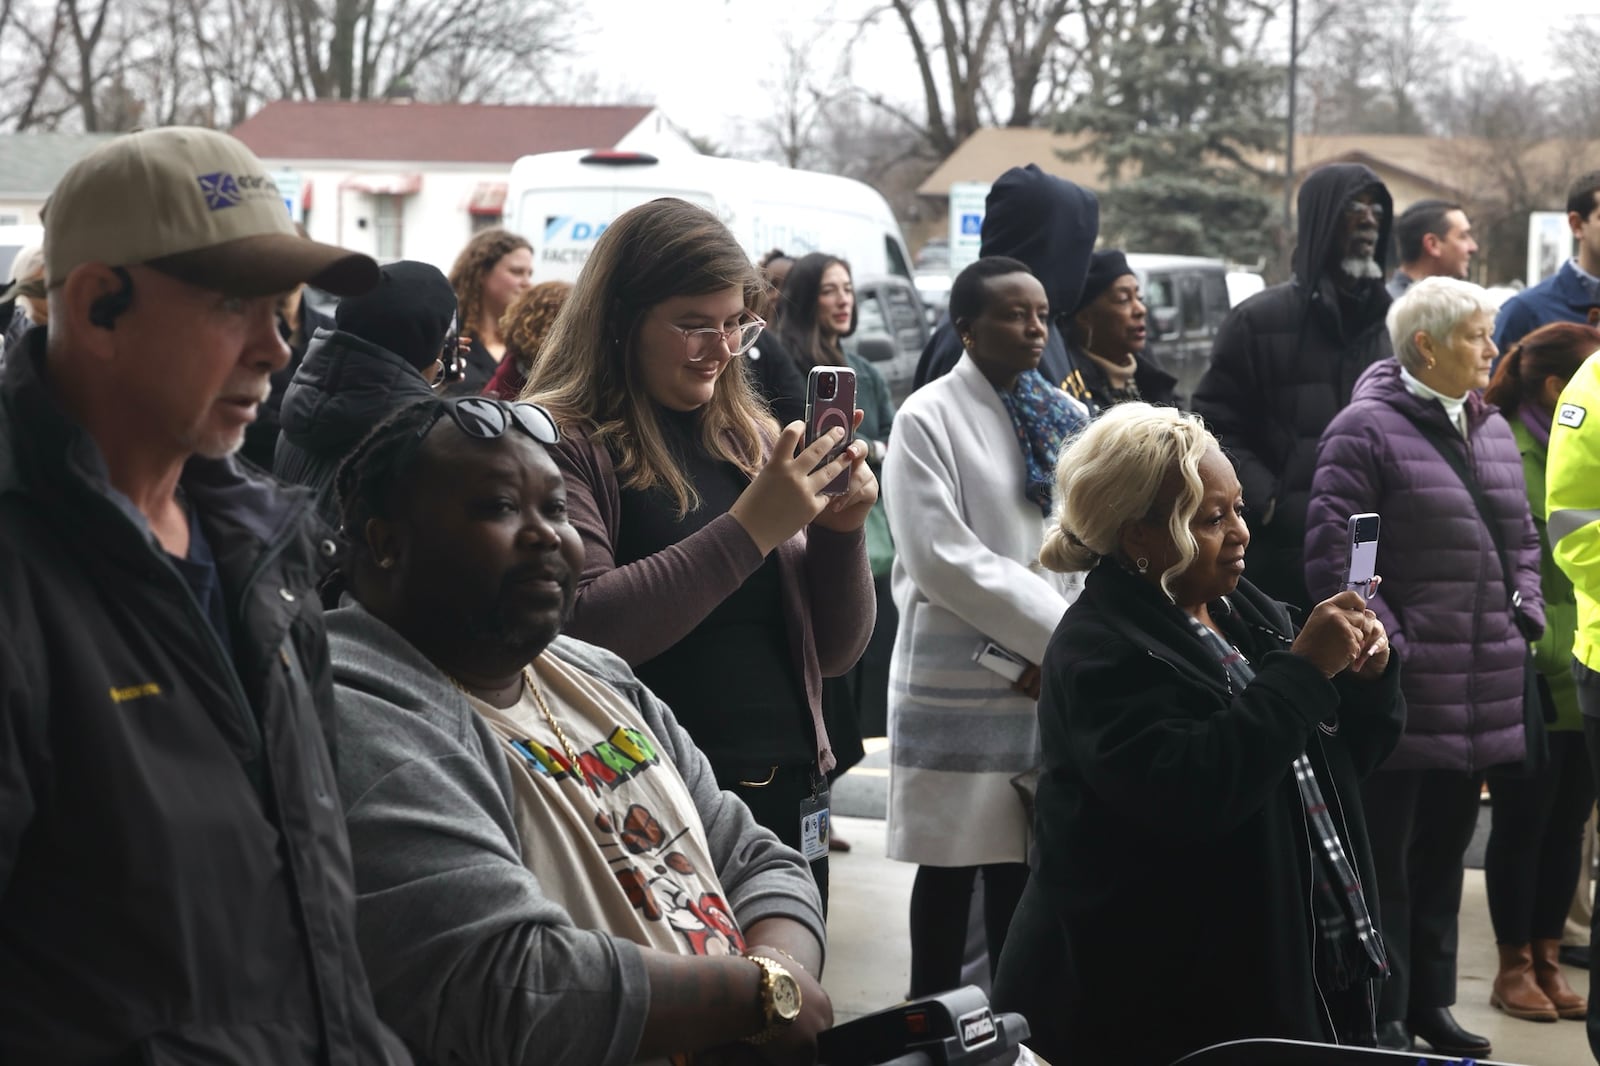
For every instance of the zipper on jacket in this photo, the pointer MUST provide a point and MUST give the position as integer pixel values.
(252, 729)
(1226, 681)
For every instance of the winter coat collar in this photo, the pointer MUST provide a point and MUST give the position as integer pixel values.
(1381, 383)
(1141, 614)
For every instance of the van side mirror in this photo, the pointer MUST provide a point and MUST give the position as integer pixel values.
(876, 348)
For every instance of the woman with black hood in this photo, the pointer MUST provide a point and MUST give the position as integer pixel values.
(386, 350)
(1105, 337)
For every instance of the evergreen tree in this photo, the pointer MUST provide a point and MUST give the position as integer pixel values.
(1184, 119)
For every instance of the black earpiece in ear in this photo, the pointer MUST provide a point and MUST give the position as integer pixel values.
(105, 310)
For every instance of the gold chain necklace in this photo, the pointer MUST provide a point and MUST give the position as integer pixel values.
(544, 709)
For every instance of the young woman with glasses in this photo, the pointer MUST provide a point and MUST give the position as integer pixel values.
(712, 563)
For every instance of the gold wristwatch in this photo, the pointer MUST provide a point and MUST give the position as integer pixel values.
(780, 999)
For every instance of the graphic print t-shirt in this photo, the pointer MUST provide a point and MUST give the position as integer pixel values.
(625, 852)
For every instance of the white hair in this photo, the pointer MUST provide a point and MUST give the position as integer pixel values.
(1111, 474)
(1436, 306)
(29, 263)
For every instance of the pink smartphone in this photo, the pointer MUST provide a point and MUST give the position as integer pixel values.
(830, 402)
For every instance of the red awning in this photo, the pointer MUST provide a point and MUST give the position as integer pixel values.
(383, 184)
(488, 199)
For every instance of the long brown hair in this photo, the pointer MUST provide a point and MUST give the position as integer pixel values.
(483, 251)
(1556, 350)
(588, 374)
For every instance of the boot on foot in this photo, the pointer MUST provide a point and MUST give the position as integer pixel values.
(1516, 991)
(1553, 983)
(1438, 1027)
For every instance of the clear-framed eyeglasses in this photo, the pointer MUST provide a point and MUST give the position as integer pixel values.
(700, 344)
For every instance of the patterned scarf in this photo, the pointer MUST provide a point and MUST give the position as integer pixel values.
(1044, 418)
(1349, 949)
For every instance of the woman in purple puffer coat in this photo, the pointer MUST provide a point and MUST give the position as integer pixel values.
(1444, 604)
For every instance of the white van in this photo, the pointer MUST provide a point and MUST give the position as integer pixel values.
(562, 201)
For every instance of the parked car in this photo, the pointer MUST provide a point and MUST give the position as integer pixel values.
(1187, 299)
(933, 257)
(891, 330)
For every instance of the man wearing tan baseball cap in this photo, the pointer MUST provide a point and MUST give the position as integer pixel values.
(174, 869)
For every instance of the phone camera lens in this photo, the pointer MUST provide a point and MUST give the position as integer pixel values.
(827, 386)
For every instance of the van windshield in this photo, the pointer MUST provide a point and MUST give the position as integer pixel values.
(563, 224)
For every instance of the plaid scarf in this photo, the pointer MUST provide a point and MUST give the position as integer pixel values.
(1043, 417)
(1349, 949)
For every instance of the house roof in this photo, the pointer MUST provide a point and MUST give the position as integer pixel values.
(1448, 166)
(435, 133)
(32, 163)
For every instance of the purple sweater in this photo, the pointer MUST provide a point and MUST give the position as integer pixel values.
(1443, 599)
(640, 610)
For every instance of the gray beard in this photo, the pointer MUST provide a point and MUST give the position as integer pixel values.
(1359, 269)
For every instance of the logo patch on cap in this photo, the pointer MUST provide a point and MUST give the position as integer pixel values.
(220, 190)
(1570, 415)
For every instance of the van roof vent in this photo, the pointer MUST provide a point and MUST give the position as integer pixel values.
(612, 158)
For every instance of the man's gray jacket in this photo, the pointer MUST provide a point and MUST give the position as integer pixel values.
(471, 962)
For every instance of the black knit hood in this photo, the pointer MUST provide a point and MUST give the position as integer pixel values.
(1321, 204)
(1048, 223)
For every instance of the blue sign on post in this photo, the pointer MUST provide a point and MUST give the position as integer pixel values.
(968, 201)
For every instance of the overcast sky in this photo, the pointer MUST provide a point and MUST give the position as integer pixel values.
(710, 64)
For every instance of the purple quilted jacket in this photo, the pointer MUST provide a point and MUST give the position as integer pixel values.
(1443, 600)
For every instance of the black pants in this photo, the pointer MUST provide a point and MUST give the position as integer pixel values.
(941, 897)
(1536, 844)
(1589, 704)
(1420, 823)
(777, 806)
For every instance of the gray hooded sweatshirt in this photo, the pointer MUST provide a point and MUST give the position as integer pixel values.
(470, 961)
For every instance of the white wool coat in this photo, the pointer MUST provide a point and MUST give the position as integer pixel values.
(966, 571)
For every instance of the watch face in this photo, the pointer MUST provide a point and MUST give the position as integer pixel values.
(785, 997)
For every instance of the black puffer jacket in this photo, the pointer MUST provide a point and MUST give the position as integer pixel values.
(344, 387)
(1283, 364)
(1049, 224)
(175, 879)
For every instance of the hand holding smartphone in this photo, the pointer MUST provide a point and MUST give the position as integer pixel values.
(1363, 555)
(831, 403)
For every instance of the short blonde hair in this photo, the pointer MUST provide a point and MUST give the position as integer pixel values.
(1112, 473)
(1435, 306)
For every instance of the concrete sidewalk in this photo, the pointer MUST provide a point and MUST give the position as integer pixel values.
(869, 957)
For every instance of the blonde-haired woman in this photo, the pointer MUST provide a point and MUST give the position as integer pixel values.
(712, 564)
(1199, 801)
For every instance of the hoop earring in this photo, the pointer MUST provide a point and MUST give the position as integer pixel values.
(1143, 564)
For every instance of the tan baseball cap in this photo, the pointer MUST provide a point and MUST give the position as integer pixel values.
(193, 203)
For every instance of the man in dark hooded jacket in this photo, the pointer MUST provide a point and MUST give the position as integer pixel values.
(383, 354)
(1285, 360)
(1051, 225)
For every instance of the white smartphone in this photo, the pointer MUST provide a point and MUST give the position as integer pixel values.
(1363, 554)
(1007, 664)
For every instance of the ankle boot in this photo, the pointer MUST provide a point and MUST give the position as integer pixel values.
(1516, 991)
(1553, 983)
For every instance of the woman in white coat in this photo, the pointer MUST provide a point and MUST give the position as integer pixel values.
(968, 484)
